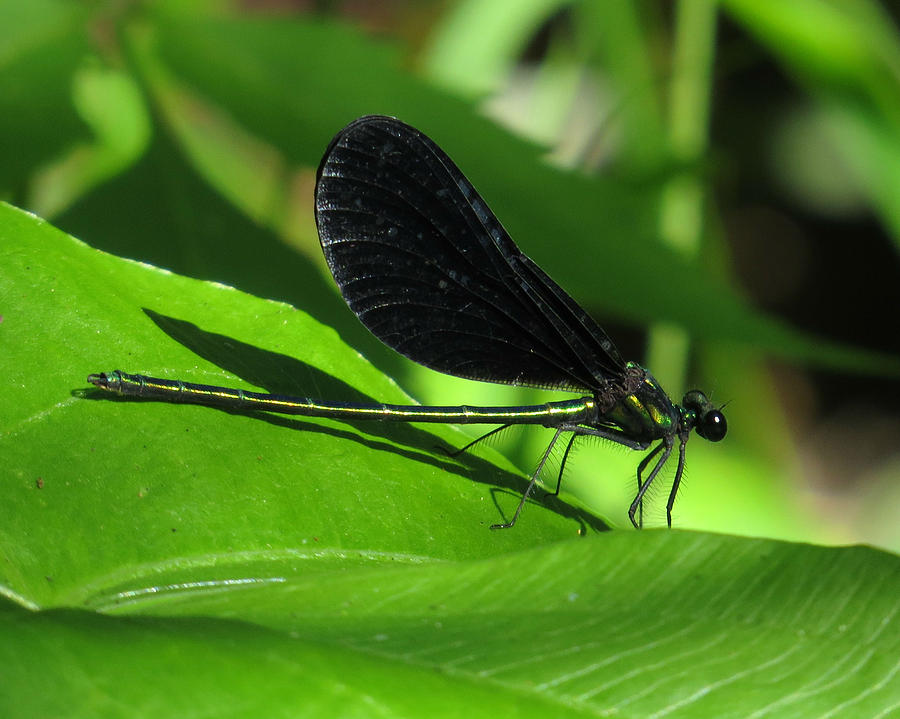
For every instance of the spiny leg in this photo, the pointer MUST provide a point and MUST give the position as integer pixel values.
(677, 481)
(667, 445)
(562, 465)
(457, 452)
(619, 437)
(533, 480)
(640, 470)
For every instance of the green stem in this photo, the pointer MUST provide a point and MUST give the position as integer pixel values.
(682, 208)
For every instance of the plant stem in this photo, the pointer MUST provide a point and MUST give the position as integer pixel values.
(682, 207)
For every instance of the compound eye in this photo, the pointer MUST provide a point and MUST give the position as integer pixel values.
(712, 426)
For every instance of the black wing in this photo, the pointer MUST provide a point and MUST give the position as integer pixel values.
(425, 265)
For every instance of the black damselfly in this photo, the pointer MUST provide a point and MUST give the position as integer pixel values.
(430, 271)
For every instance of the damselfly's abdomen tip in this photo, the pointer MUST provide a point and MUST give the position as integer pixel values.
(103, 380)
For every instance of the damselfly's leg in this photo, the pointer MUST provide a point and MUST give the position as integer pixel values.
(641, 467)
(677, 481)
(457, 452)
(619, 437)
(562, 465)
(534, 477)
(577, 431)
(666, 444)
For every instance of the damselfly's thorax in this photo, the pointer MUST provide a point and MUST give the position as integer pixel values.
(642, 410)
(639, 407)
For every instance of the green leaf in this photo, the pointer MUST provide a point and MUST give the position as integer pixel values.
(179, 560)
(102, 666)
(42, 43)
(629, 624)
(160, 211)
(848, 55)
(268, 563)
(558, 218)
(477, 44)
(110, 103)
(138, 487)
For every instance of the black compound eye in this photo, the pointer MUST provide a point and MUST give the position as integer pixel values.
(712, 426)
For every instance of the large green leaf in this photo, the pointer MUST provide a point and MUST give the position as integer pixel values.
(636, 625)
(155, 486)
(281, 566)
(139, 667)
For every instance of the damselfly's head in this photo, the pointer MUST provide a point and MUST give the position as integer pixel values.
(700, 414)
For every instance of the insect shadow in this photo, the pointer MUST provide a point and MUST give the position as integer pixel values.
(278, 373)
